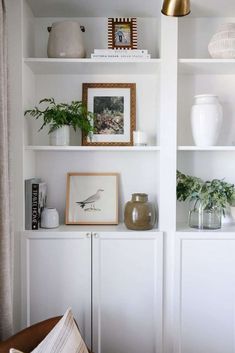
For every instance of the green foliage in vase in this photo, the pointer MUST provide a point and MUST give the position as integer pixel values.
(214, 193)
(57, 115)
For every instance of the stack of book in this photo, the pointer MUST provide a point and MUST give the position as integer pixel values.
(120, 54)
(35, 201)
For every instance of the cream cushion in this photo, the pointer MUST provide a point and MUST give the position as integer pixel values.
(63, 338)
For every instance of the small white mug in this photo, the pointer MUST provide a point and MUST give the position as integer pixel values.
(49, 218)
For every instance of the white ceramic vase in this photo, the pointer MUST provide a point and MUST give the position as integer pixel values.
(49, 218)
(65, 40)
(60, 136)
(206, 120)
(222, 44)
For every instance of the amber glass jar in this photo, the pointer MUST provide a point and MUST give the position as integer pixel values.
(139, 213)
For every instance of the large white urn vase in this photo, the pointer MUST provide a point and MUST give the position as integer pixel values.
(206, 120)
(65, 40)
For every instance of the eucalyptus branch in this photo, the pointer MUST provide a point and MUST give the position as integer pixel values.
(214, 193)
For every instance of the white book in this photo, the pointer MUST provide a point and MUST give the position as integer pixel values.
(115, 51)
(116, 56)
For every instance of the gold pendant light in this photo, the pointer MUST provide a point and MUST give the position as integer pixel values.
(176, 8)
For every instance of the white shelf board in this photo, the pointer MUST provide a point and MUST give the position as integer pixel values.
(183, 230)
(120, 228)
(94, 148)
(47, 66)
(207, 66)
(207, 149)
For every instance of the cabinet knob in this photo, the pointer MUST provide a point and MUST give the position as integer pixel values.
(88, 235)
(96, 235)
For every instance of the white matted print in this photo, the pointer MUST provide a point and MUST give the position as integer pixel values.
(92, 198)
(114, 107)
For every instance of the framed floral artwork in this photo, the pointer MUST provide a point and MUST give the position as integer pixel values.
(114, 108)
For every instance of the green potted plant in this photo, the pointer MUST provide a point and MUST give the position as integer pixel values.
(209, 199)
(60, 116)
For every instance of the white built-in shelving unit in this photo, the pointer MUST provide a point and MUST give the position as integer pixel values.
(179, 69)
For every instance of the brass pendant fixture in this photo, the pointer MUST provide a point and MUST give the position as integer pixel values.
(176, 8)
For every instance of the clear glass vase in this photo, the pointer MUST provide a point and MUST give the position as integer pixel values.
(204, 218)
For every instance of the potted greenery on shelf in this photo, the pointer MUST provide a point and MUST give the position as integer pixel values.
(60, 116)
(209, 199)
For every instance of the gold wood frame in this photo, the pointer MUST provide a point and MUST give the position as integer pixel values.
(132, 88)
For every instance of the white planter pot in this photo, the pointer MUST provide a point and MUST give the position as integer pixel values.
(65, 40)
(60, 137)
(222, 44)
(49, 218)
(206, 120)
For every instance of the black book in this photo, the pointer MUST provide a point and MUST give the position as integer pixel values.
(35, 201)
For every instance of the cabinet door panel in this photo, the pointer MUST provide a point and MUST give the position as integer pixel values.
(59, 276)
(127, 294)
(207, 296)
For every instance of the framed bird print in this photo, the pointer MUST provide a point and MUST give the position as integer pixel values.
(92, 198)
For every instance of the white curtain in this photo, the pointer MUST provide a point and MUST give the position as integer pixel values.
(6, 306)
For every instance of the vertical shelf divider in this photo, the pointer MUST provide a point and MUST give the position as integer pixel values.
(168, 162)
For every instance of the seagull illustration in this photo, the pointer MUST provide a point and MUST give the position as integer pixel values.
(91, 200)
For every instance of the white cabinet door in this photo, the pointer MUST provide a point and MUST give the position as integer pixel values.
(59, 276)
(127, 293)
(207, 296)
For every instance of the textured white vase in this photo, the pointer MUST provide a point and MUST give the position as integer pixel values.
(60, 137)
(65, 40)
(222, 44)
(49, 218)
(206, 120)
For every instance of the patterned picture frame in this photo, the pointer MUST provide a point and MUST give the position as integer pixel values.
(114, 106)
(122, 33)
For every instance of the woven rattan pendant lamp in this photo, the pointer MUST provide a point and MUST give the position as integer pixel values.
(176, 8)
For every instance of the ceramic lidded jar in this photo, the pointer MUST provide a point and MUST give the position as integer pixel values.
(222, 43)
(139, 214)
(206, 120)
(65, 40)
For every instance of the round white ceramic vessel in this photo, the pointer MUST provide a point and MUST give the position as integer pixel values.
(49, 218)
(206, 120)
(65, 40)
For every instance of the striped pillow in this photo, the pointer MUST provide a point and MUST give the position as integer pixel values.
(63, 338)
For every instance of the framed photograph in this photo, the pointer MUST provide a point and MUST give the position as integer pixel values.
(114, 107)
(122, 33)
(92, 198)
